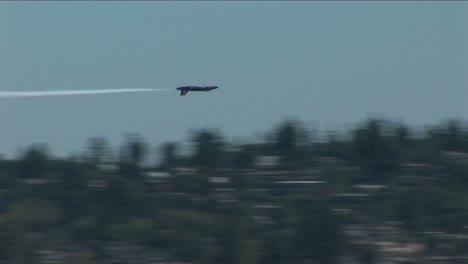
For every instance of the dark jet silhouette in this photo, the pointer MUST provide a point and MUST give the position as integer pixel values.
(185, 89)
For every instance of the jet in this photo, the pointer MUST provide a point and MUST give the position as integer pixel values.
(185, 89)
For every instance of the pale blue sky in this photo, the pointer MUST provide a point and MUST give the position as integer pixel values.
(332, 63)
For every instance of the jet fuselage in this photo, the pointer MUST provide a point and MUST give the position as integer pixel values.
(185, 89)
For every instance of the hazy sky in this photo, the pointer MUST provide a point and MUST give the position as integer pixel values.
(331, 63)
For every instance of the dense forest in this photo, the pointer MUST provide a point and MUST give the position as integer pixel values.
(381, 192)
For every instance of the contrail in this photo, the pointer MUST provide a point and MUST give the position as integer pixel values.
(15, 94)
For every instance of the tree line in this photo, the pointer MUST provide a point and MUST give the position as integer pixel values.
(217, 204)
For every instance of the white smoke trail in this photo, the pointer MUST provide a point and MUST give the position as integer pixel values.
(15, 94)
